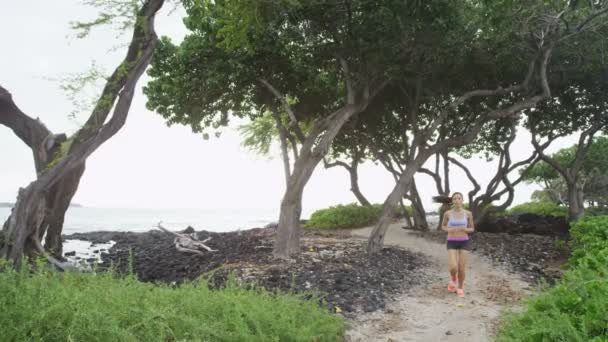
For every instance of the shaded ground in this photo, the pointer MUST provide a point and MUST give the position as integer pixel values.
(334, 265)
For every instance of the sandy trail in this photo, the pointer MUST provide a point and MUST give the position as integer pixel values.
(431, 313)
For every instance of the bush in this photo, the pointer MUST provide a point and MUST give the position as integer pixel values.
(576, 309)
(596, 211)
(539, 208)
(344, 216)
(399, 212)
(349, 216)
(52, 306)
(589, 235)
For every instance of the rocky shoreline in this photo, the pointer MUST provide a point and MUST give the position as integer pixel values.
(333, 266)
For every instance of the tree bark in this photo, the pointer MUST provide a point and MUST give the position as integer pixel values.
(438, 182)
(376, 239)
(283, 134)
(58, 201)
(406, 215)
(418, 208)
(288, 238)
(576, 206)
(354, 184)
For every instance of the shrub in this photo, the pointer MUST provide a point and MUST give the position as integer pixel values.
(576, 309)
(399, 212)
(596, 211)
(344, 216)
(589, 235)
(52, 306)
(350, 215)
(539, 208)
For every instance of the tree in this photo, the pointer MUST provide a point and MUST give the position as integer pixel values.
(579, 104)
(591, 176)
(546, 27)
(29, 220)
(321, 62)
(45, 147)
(582, 107)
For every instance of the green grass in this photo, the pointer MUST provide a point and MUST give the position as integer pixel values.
(576, 309)
(52, 306)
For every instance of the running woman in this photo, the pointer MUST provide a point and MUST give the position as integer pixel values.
(458, 223)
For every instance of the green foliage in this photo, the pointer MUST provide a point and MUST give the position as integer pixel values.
(344, 216)
(348, 216)
(259, 134)
(539, 208)
(399, 212)
(576, 309)
(64, 148)
(594, 171)
(596, 211)
(51, 306)
(546, 195)
(122, 14)
(589, 236)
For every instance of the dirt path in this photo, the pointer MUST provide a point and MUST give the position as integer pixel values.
(433, 314)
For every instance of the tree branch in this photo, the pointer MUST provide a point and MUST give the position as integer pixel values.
(435, 176)
(583, 147)
(31, 132)
(466, 170)
(283, 138)
(350, 91)
(294, 120)
(552, 162)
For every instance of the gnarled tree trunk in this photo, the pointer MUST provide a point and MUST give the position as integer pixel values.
(57, 203)
(354, 186)
(22, 231)
(576, 205)
(419, 213)
(45, 147)
(376, 239)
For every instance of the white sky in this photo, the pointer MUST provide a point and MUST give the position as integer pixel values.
(147, 164)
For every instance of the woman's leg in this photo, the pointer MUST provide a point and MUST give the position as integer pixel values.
(453, 263)
(462, 259)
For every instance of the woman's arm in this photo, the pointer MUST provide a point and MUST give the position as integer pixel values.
(470, 223)
(444, 223)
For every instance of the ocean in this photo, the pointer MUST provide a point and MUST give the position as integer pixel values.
(86, 219)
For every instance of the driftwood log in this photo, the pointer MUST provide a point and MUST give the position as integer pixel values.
(187, 243)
